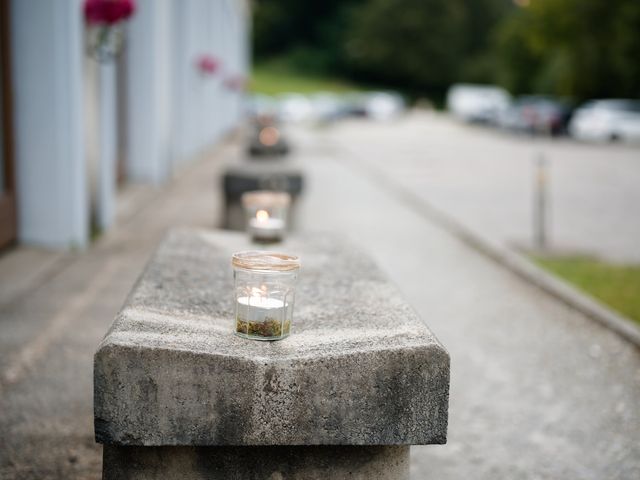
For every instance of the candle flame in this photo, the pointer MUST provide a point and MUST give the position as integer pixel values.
(269, 136)
(262, 215)
(259, 292)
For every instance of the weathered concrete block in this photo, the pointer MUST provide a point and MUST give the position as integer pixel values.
(273, 174)
(244, 175)
(248, 463)
(360, 368)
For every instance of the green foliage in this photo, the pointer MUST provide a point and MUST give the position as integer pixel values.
(317, 28)
(579, 48)
(478, 62)
(416, 43)
(616, 285)
(574, 48)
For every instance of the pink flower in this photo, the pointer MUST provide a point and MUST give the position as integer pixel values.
(108, 12)
(208, 64)
(235, 82)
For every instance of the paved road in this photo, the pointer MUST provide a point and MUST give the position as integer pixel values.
(538, 391)
(484, 179)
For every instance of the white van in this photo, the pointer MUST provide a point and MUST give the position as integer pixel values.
(477, 103)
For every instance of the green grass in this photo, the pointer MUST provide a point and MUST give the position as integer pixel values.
(275, 77)
(615, 285)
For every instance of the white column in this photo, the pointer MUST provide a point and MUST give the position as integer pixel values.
(187, 81)
(108, 140)
(219, 91)
(149, 92)
(229, 64)
(47, 53)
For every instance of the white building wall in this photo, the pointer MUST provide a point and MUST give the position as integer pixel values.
(203, 108)
(149, 121)
(173, 111)
(47, 52)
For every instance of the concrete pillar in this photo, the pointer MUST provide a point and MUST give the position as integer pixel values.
(149, 92)
(269, 463)
(178, 395)
(47, 53)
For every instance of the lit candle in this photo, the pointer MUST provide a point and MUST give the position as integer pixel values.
(265, 228)
(261, 316)
(264, 286)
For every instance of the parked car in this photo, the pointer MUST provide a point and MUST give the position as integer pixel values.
(384, 105)
(354, 104)
(607, 120)
(539, 114)
(294, 107)
(326, 106)
(477, 103)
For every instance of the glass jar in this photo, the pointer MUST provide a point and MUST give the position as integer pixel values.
(267, 212)
(264, 288)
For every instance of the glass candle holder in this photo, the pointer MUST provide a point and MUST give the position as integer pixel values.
(264, 294)
(267, 213)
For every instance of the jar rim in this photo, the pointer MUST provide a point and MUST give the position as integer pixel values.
(263, 260)
(266, 198)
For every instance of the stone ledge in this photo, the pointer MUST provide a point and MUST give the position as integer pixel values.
(360, 367)
(272, 463)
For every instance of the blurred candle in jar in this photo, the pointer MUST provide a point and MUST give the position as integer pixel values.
(269, 136)
(267, 213)
(265, 228)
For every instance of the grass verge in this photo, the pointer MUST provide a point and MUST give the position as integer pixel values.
(618, 286)
(275, 77)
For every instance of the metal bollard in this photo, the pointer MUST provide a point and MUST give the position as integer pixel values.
(540, 203)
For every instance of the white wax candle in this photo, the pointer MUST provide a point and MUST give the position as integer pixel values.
(260, 309)
(267, 228)
(260, 301)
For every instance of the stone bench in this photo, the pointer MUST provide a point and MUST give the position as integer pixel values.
(245, 175)
(178, 395)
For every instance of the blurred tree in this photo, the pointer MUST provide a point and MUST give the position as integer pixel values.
(414, 43)
(578, 48)
(481, 18)
(419, 45)
(309, 34)
(425, 45)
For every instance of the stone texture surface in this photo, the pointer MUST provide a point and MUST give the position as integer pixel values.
(257, 463)
(360, 367)
(244, 175)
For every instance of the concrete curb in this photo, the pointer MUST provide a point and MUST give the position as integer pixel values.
(555, 286)
(510, 259)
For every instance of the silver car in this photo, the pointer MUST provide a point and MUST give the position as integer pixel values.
(607, 120)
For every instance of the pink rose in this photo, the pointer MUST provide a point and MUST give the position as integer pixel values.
(108, 12)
